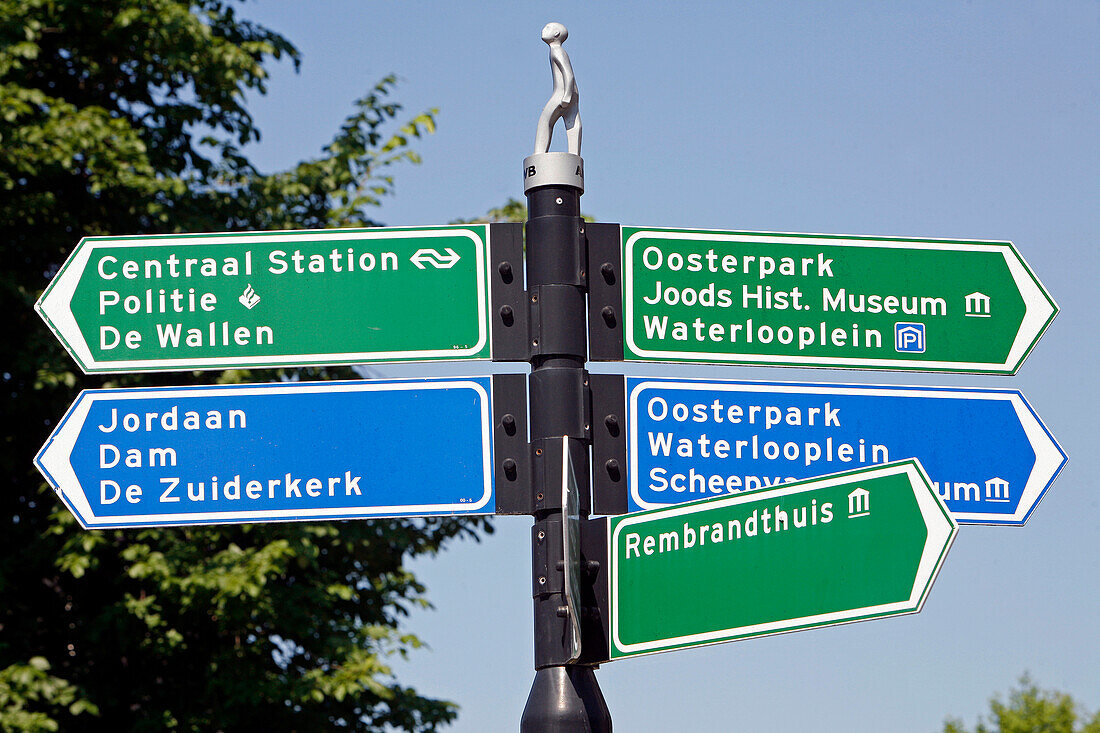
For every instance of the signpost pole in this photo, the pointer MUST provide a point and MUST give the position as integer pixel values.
(564, 696)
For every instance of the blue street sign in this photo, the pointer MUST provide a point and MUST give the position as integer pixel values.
(988, 454)
(274, 452)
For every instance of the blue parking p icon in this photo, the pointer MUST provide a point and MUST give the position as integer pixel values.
(909, 337)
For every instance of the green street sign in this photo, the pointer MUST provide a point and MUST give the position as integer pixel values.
(812, 300)
(848, 547)
(292, 298)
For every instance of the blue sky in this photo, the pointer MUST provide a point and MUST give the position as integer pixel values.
(974, 120)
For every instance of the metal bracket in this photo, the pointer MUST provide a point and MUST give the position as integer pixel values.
(565, 264)
(605, 292)
(546, 473)
(560, 573)
(511, 454)
(552, 631)
(610, 469)
(564, 393)
(546, 553)
(552, 336)
(595, 591)
(508, 299)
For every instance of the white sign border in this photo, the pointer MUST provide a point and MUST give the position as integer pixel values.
(54, 305)
(1050, 459)
(940, 535)
(1039, 306)
(53, 459)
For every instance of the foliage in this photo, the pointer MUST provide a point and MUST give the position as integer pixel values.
(130, 117)
(513, 210)
(1032, 710)
(27, 684)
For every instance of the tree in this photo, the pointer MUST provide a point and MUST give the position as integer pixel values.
(1032, 710)
(513, 210)
(129, 117)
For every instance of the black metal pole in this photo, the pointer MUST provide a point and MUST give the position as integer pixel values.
(564, 696)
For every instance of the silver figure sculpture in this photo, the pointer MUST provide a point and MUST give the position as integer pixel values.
(564, 103)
